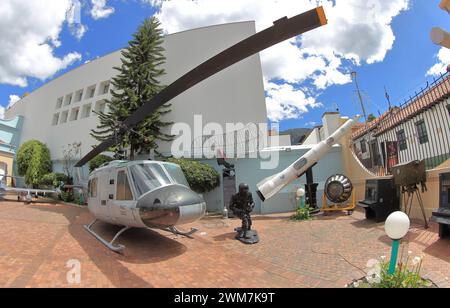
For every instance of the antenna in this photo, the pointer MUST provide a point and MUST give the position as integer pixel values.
(388, 97)
(354, 74)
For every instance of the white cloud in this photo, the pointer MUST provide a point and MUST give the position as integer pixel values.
(285, 102)
(444, 61)
(13, 99)
(358, 32)
(29, 33)
(100, 9)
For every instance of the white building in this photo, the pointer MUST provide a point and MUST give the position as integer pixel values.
(61, 111)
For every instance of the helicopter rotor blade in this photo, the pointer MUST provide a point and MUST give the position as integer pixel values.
(283, 29)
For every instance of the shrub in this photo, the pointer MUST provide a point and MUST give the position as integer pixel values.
(98, 161)
(67, 195)
(407, 275)
(303, 213)
(33, 162)
(54, 179)
(201, 177)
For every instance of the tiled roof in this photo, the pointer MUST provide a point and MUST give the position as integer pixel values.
(375, 123)
(439, 91)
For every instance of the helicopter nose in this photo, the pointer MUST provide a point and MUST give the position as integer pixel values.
(170, 206)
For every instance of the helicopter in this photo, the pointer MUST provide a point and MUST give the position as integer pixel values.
(142, 194)
(156, 195)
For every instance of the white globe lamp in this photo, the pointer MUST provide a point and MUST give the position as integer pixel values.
(396, 227)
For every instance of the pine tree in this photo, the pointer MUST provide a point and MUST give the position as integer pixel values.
(137, 83)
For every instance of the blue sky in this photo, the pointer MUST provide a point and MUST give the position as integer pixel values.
(402, 69)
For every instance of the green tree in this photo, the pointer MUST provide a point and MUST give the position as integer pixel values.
(34, 162)
(98, 161)
(371, 118)
(137, 83)
(201, 177)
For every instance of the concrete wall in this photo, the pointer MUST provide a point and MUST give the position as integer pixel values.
(234, 95)
(249, 171)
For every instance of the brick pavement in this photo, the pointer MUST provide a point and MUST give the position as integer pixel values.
(37, 241)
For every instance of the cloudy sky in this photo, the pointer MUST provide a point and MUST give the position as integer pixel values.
(385, 41)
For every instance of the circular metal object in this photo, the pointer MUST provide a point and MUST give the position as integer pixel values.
(338, 188)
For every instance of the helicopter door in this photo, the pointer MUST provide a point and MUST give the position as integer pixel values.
(123, 211)
(106, 193)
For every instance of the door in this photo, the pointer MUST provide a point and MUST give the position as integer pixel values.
(106, 193)
(123, 204)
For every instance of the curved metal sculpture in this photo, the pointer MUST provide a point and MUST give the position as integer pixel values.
(338, 188)
(282, 30)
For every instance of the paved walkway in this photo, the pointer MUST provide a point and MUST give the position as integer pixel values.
(38, 240)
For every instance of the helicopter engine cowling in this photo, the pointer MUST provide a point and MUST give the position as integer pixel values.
(170, 205)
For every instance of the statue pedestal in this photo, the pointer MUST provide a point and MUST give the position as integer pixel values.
(251, 239)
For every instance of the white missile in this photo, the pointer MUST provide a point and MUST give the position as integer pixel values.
(273, 185)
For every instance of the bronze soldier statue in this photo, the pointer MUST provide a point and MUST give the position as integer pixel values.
(242, 206)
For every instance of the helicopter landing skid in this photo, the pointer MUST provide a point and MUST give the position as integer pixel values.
(110, 245)
(175, 231)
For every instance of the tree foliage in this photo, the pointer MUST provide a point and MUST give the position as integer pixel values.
(34, 162)
(98, 161)
(201, 177)
(137, 83)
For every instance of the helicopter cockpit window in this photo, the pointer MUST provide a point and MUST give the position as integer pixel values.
(93, 188)
(147, 177)
(177, 174)
(123, 187)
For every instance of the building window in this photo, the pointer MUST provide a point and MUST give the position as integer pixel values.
(401, 138)
(422, 132)
(90, 93)
(448, 108)
(68, 100)
(79, 96)
(363, 146)
(123, 192)
(74, 114)
(59, 103)
(64, 117)
(55, 119)
(86, 112)
(100, 107)
(104, 87)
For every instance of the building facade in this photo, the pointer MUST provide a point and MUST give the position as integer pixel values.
(418, 130)
(61, 112)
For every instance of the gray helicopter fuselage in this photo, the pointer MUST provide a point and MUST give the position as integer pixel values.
(143, 194)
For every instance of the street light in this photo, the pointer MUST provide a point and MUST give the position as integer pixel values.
(301, 197)
(396, 227)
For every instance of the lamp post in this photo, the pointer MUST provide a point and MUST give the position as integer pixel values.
(396, 227)
(301, 197)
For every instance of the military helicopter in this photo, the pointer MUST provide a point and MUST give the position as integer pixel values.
(147, 194)
(142, 194)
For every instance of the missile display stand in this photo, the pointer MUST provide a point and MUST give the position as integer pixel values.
(311, 191)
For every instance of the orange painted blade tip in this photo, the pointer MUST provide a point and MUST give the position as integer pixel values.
(322, 17)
